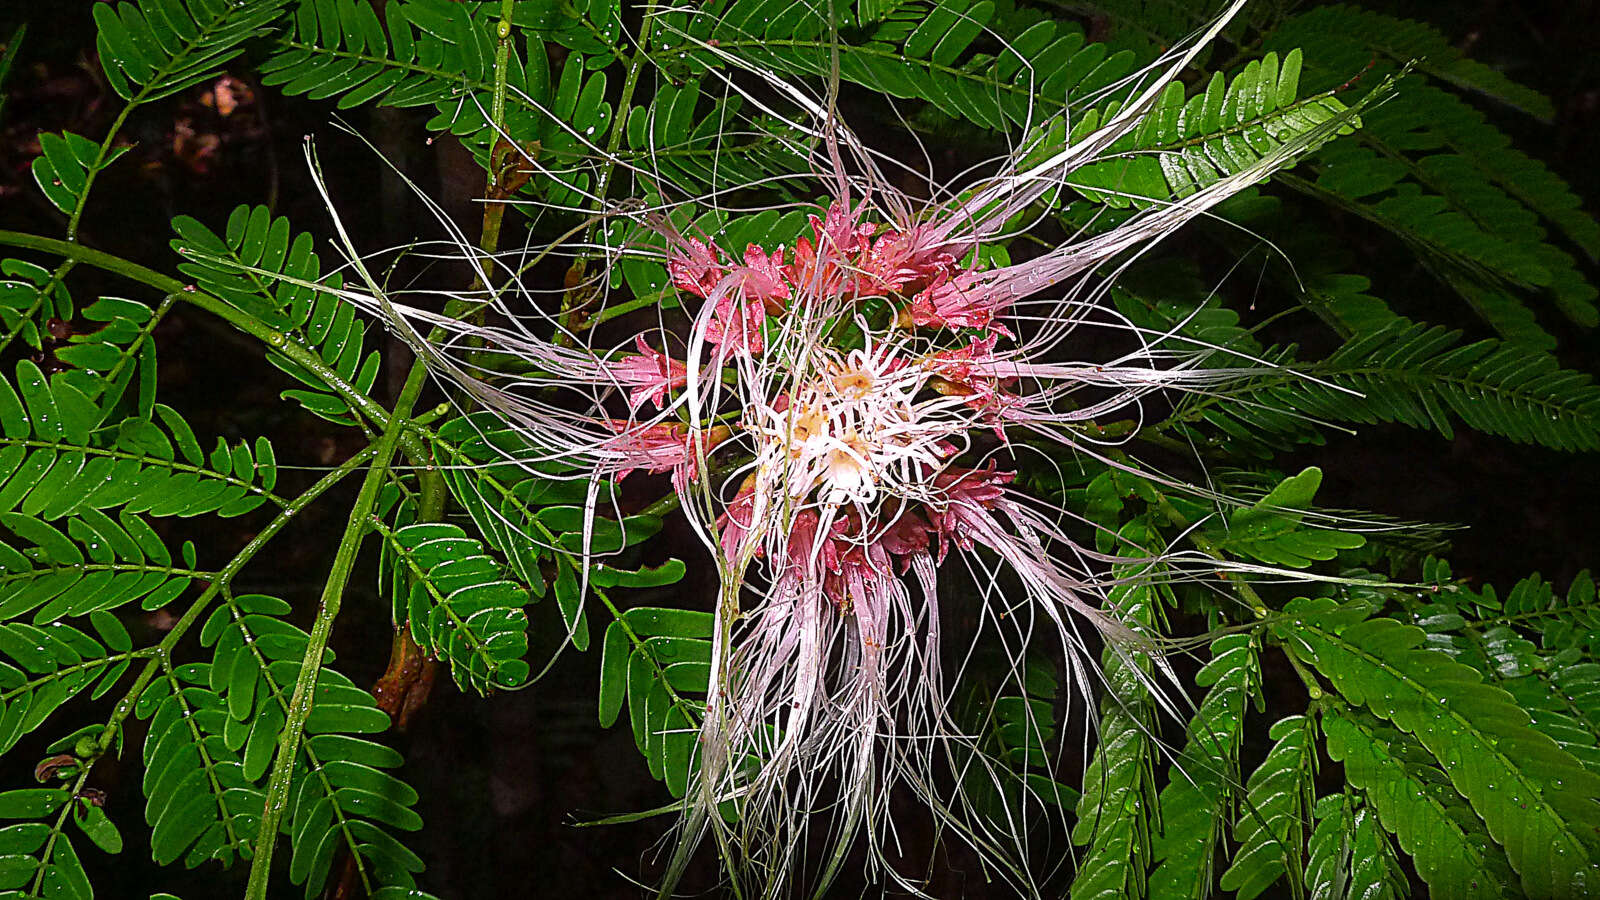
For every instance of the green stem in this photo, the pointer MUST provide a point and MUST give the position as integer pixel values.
(608, 163)
(311, 665)
(619, 122)
(1248, 594)
(55, 831)
(163, 651)
(502, 57)
(94, 169)
(1313, 689)
(618, 309)
(1240, 586)
(494, 211)
(271, 685)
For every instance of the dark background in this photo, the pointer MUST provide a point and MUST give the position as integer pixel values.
(502, 780)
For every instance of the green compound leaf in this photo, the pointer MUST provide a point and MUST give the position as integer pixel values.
(62, 552)
(460, 608)
(1415, 801)
(658, 661)
(441, 54)
(107, 360)
(1349, 858)
(265, 269)
(1273, 532)
(1183, 145)
(29, 297)
(199, 804)
(428, 52)
(1534, 644)
(57, 459)
(1428, 167)
(1565, 626)
(156, 48)
(1270, 826)
(222, 749)
(685, 141)
(1539, 802)
(915, 50)
(1196, 804)
(40, 860)
(1018, 728)
(1423, 377)
(533, 515)
(41, 668)
(1118, 786)
(1354, 33)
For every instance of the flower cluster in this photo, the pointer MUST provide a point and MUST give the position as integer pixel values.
(838, 421)
(839, 415)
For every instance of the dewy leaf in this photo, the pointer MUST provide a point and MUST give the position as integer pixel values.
(1113, 811)
(63, 167)
(99, 828)
(31, 803)
(1445, 851)
(156, 48)
(1349, 856)
(1271, 819)
(1187, 145)
(1538, 801)
(1196, 802)
(1273, 531)
(1421, 376)
(657, 660)
(460, 608)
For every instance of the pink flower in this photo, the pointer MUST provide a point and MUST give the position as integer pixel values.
(743, 293)
(736, 326)
(905, 262)
(801, 545)
(738, 519)
(693, 267)
(958, 302)
(826, 665)
(840, 233)
(830, 265)
(853, 571)
(974, 372)
(969, 493)
(761, 277)
(651, 374)
(906, 536)
(967, 367)
(667, 447)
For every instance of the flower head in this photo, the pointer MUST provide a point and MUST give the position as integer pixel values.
(837, 428)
